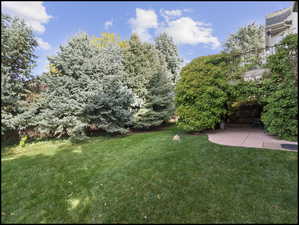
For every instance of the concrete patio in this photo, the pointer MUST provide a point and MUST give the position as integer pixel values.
(247, 137)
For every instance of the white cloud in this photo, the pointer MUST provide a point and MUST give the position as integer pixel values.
(183, 30)
(171, 14)
(108, 24)
(42, 44)
(176, 12)
(145, 20)
(34, 13)
(187, 31)
(168, 14)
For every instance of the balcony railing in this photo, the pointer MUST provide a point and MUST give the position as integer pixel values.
(255, 59)
(260, 56)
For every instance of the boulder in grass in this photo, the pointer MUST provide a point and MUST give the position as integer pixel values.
(176, 138)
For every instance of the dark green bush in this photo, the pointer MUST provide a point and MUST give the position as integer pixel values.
(204, 98)
(280, 114)
(201, 93)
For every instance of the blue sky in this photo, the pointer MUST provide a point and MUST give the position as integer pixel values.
(199, 28)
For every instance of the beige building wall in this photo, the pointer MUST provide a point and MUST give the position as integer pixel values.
(281, 23)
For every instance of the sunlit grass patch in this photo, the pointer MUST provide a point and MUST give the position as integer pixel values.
(148, 178)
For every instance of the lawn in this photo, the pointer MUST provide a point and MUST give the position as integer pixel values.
(147, 178)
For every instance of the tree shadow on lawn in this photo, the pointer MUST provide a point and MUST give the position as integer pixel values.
(134, 179)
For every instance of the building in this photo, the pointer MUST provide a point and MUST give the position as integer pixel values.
(281, 23)
(278, 25)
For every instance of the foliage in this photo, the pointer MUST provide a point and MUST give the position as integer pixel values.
(137, 69)
(280, 114)
(244, 92)
(17, 60)
(158, 105)
(84, 89)
(202, 100)
(108, 38)
(109, 107)
(148, 77)
(246, 38)
(202, 93)
(276, 92)
(280, 91)
(165, 44)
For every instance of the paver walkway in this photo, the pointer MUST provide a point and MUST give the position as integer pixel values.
(247, 137)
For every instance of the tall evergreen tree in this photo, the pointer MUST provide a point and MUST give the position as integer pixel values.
(83, 90)
(165, 44)
(148, 77)
(158, 104)
(17, 60)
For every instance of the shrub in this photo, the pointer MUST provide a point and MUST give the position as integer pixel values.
(201, 93)
(280, 114)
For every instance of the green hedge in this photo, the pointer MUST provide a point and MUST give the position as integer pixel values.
(201, 93)
(280, 114)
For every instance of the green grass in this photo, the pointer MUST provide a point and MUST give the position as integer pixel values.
(147, 178)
